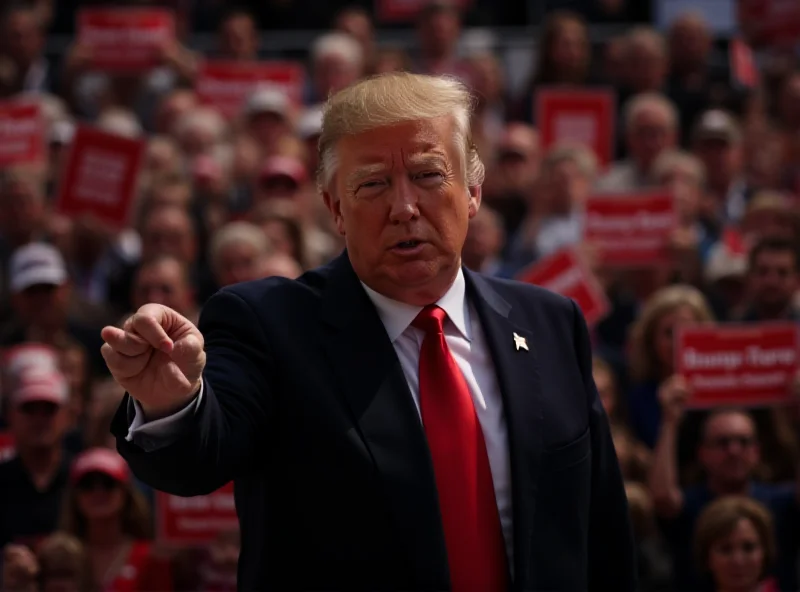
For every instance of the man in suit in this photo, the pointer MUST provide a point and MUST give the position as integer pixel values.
(391, 421)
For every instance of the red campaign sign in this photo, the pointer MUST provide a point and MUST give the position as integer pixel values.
(771, 23)
(226, 85)
(21, 133)
(743, 64)
(195, 520)
(125, 39)
(630, 230)
(7, 449)
(565, 273)
(738, 365)
(395, 11)
(100, 176)
(586, 117)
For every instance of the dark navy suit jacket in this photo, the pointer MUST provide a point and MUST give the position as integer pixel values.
(307, 409)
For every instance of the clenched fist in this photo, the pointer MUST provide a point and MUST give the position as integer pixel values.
(157, 357)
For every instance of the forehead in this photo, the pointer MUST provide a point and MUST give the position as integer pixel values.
(382, 145)
(727, 423)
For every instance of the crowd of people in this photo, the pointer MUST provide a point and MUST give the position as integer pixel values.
(712, 493)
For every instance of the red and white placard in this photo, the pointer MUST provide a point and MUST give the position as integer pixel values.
(565, 273)
(630, 230)
(22, 131)
(195, 520)
(398, 11)
(100, 176)
(226, 85)
(747, 365)
(125, 39)
(586, 117)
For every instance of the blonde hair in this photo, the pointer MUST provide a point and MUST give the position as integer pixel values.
(135, 517)
(648, 37)
(644, 362)
(720, 518)
(392, 98)
(670, 160)
(649, 100)
(583, 157)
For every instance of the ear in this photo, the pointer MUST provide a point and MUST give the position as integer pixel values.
(335, 208)
(474, 193)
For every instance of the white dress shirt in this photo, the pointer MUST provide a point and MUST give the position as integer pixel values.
(467, 343)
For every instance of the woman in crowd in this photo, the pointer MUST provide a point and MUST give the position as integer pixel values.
(112, 520)
(652, 352)
(735, 545)
(564, 60)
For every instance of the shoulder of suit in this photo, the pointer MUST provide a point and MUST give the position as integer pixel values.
(308, 285)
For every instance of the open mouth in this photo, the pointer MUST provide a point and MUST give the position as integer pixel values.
(410, 244)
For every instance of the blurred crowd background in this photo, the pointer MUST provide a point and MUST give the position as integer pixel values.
(222, 199)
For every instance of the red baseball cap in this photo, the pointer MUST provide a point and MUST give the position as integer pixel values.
(33, 383)
(283, 166)
(100, 460)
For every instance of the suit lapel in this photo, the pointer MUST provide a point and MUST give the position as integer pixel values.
(376, 391)
(518, 377)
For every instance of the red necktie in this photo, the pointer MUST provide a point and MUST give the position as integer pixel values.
(472, 532)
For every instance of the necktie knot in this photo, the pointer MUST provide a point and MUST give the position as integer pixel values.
(430, 320)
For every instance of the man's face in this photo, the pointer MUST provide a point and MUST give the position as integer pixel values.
(169, 233)
(22, 210)
(162, 283)
(568, 187)
(722, 160)
(238, 39)
(238, 262)
(39, 424)
(729, 451)
(484, 240)
(23, 37)
(42, 305)
(650, 134)
(332, 73)
(268, 127)
(646, 68)
(439, 32)
(519, 158)
(400, 199)
(773, 279)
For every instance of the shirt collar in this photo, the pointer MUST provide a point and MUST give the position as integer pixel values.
(397, 316)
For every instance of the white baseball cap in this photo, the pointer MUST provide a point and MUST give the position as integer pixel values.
(267, 100)
(310, 123)
(39, 384)
(35, 264)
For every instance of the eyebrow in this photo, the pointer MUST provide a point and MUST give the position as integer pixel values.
(430, 158)
(362, 173)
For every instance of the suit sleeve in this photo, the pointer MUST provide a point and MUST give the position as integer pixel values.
(226, 435)
(612, 550)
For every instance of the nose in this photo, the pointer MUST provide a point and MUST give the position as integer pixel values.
(403, 203)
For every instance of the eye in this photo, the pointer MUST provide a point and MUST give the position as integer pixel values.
(369, 187)
(429, 177)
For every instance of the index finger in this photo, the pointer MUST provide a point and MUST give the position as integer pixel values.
(147, 323)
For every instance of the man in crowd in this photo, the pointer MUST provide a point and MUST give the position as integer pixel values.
(650, 127)
(297, 387)
(729, 455)
(32, 482)
(164, 279)
(773, 279)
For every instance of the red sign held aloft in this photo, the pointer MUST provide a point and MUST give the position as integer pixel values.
(631, 230)
(586, 117)
(22, 131)
(195, 520)
(747, 365)
(125, 39)
(227, 85)
(770, 23)
(100, 176)
(7, 448)
(565, 273)
(399, 11)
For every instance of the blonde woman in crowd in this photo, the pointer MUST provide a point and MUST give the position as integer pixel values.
(652, 346)
(735, 545)
(112, 519)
